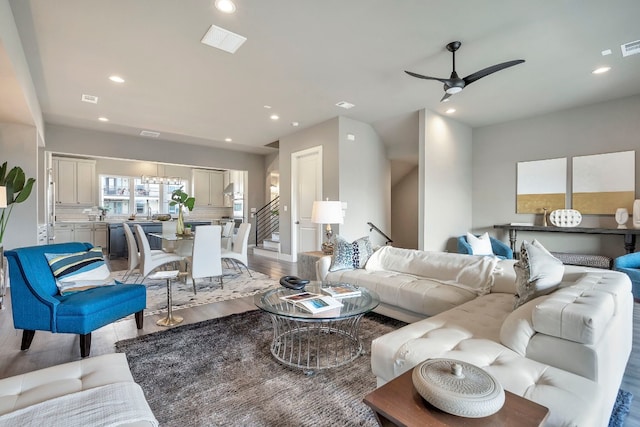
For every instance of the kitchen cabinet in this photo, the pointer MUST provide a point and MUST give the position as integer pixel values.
(207, 187)
(75, 181)
(91, 232)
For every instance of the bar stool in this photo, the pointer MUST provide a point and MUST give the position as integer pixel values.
(169, 275)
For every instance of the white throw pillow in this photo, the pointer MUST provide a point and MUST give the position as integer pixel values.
(537, 272)
(480, 245)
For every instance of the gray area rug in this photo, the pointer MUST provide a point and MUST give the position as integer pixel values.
(235, 285)
(221, 372)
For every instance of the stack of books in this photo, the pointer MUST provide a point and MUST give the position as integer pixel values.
(313, 303)
(342, 290)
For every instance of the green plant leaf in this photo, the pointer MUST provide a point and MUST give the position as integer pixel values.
(3, 171)
(26, 191)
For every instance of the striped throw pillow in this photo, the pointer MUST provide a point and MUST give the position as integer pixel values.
(79, 271)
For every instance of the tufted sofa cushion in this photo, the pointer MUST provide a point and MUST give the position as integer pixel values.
(34, 387)
(469, 333)
(574, 314)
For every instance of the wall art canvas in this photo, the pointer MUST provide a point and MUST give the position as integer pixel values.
(541, 184)
(603, 183)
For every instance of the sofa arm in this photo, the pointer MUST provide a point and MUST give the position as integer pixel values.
(322, 267)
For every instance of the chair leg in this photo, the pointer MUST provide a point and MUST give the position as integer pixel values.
(140, 319)
(194, 285)
(85, 344)
(27, 337)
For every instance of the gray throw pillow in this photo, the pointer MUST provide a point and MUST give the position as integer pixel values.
(350, 255)
(537, 272)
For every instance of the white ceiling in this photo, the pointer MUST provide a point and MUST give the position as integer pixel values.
(303, 56)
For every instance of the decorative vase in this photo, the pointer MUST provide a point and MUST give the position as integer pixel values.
(636, 214)
(180, 224)
(622, 216)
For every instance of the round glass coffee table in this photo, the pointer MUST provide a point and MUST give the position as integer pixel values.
(315, 341)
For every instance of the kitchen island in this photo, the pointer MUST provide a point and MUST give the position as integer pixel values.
(118, 241)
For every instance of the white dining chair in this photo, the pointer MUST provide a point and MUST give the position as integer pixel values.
(148, 261)
(227, 235)
(205, 260)
(238, 255)
(134, 254)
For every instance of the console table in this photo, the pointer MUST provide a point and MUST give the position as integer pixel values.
(628, 233)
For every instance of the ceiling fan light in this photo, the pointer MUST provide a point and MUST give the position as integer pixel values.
(453, 89)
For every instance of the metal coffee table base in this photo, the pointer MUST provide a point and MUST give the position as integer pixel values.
(315, 344)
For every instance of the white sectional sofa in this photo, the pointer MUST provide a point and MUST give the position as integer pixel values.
(93, 391)
(566, 350)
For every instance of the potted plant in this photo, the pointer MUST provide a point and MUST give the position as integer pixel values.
(18, 189)
(182, 199)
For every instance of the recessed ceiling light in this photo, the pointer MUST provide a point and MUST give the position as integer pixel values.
(295, 124)
(226, 6)
(228, 139)
(274, 117)
(344, 104)
(103, 119)
(451, 110)
(601, 70)
(116, 79)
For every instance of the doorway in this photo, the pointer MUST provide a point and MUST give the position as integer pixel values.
(306, 187)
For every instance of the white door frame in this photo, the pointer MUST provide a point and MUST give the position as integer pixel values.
(294, 194)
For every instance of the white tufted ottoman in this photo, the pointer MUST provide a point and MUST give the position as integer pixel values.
(88, 376)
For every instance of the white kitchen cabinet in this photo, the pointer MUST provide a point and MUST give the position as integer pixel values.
(208, 187)
(75, 181)
(90, 232)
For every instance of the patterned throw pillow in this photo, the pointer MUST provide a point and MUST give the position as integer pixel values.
(537, 272)
(79, 271)
(350, 255)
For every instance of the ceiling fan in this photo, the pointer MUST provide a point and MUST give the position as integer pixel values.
(455, 84)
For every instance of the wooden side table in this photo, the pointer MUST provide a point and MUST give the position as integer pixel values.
(397, 403)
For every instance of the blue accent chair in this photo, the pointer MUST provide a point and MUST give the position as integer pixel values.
(37, 304)
(500, 249)
(630, 264)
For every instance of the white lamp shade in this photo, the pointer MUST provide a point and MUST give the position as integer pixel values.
(326, 212)
(3, 197)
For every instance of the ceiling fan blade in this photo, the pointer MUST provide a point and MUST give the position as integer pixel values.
(445, 97)
(490, 70)
(420, 76)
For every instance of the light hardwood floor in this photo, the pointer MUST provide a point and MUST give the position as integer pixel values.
(51, 349)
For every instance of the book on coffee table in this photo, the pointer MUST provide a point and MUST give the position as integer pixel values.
(313, 303)
(343, 290)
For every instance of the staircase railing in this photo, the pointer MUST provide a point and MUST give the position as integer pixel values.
(268, 220)
(373, 227)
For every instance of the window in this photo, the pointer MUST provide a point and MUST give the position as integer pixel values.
(124, 195)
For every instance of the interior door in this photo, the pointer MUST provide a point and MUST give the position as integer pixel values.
(307, 187)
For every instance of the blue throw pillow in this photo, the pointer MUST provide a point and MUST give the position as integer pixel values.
(79, 271)
(350, 255)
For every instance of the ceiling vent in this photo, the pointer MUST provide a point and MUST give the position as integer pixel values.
(630, 48)
(150, 134)
(223, 39)
(89, 98)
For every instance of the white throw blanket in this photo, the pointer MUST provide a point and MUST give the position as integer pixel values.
(473, 273)
(109, 405)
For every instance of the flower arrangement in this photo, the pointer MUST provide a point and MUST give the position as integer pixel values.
(18, 189)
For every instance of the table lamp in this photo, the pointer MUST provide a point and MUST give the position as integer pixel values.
(327, 212)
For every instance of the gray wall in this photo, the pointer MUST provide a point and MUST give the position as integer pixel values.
(365, 182)
(326, 135)
(404, 211)
(19, 147)
(594, 129)
(445, 181)
(69, 140)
